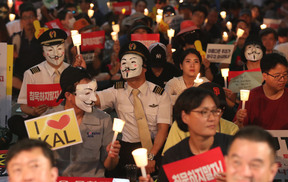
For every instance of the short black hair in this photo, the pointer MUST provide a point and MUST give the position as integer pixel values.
(190, 99)
(270, 61)
(27, 145)
(27, 6)
(256, 134)
(267, 31)
(282, 32)
(190, 51)
(234, 25)
(138, 1)
(62, 14)
(201, 9)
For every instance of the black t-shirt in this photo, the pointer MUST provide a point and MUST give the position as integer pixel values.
(182, 151)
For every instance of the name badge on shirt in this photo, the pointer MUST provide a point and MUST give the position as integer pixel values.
(91, 134)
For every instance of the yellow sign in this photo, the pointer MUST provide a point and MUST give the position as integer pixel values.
(58, 129)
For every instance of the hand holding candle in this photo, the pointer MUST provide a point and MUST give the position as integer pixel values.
(244, 96)
(118, 125)
(225, 36)
(170, 33)
(198, 81)
(77, 42)
(140, 157)
(225, 73)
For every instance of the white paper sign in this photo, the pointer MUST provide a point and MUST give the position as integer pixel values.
(247, 81)
(219, 53)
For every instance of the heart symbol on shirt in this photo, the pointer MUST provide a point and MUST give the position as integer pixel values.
(62, 123)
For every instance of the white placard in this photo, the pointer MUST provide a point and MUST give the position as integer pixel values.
(219, 53)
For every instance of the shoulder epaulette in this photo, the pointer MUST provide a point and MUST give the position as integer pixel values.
(158, 90)
(119, 84)
(35, 69)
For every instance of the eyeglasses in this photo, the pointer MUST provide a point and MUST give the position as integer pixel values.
(206, 113)
(279, 76)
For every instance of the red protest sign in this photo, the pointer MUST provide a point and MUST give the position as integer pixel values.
(83, 179)
(39, 94)
(233, 74)
(92, 40)
(118, 7)
(17, 5)
(146, 39)
(57, 24)
(202, 167)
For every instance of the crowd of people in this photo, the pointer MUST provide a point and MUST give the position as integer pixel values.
(154, 89)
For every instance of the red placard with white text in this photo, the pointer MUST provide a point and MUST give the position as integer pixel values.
(117, 7)
(202, 167)
(146, 39)
(57, 24)
(39, 94)
(92, 40)
(83, 179)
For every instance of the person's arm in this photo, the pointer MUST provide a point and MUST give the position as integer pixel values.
(158, 143)
(113, 155)
(208, 72)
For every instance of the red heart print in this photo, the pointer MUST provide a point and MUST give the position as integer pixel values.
(62, 123)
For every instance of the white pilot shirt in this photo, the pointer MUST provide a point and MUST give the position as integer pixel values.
(42, 73)
(157, 108)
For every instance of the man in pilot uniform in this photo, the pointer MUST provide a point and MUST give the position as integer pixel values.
(141, 104)
(47, 72)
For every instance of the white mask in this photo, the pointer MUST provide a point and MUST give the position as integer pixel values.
(131, 66)
(71, 22)
(253, 52)
(86, 96)
(54, 54)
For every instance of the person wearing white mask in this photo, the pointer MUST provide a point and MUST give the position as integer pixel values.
(94, 155)
(47, 72)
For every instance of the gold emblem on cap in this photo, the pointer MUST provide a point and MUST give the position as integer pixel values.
(132, 46)
(52, 34)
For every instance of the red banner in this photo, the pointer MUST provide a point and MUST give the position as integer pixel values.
(43, 94)
(83, 179)
(202, 167)
(233, 74)
(17, 5)
(117, 7)
(57, 24)
(92, 40)
(146, 39)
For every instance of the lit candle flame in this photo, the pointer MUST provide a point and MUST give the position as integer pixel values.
(123, 11)
(91, 5)
(263, 26)
(223, 14)
(146, 12)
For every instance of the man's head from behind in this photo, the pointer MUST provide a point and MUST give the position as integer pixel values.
(31, 160)
(251, 156)
(78, 89)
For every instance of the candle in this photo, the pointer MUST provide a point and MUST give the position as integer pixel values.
(12, 17)
(160, 12)
(229, 26)
(244, 96)
(74, 32)
(158, 18)
(10, 3)
(140, 158)
(239, 33)
(173, 50)
(263, 26)
(225, 73)
(223, 14)
(118, 125)
(123, 11)
(170, 33)
(114, 36)
(225, 36)
(198, 81)
(146, 12)
(116, 28)
(91, 5)
(90, 13)
(77, 42)
(181, 1)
